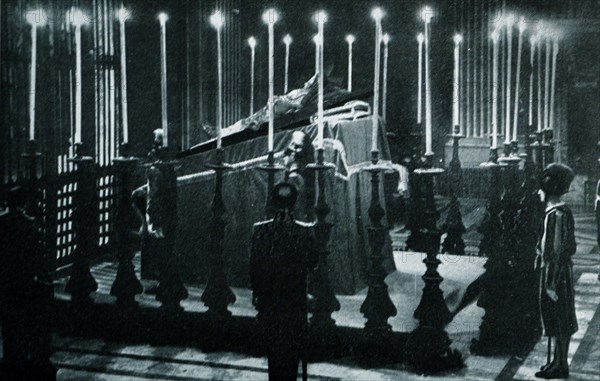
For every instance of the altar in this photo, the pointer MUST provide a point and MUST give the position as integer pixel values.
(348, 193)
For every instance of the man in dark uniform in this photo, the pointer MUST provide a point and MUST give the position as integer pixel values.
(25, 295)
(299, 153)
(283, 253)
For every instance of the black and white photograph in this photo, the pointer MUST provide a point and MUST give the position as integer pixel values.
(285, 190)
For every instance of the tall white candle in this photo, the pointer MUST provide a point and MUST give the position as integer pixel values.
(321, 18)
(420, 39)
(495, 37)
(287, 40)
(509, 30)
(350, 40)
(252, 44)
(518, 80)
(123, 15)
(531, 78)
(553, 84)
(270, 18)
(547, 83)
(78, 19)
(427, 14)
(35, 18)
(386, 40)
(377, 15)
(163, 76)
(316, 40)
(456, 83)
(539, 85)
(217, 21)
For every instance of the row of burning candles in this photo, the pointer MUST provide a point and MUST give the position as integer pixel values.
(76, 18)
(270, 17)
(504, 27)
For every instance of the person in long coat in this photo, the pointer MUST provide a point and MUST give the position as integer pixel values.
(555, 249)
(282, 255)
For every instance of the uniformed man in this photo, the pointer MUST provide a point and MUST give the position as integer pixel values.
(283, 253)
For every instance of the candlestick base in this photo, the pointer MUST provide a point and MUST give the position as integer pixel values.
(217, 294)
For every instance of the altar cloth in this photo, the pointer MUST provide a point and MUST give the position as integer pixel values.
(348, 193)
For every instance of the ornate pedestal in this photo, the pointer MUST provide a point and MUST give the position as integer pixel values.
(325, 302)
(454, 227)
(85, 220)
(378, 306)
(217, 295)
(126, 285)
(428, 346)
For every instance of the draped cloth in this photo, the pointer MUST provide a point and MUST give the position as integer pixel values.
(347, 190)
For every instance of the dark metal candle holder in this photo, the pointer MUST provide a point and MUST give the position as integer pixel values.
(454, 226)
(271, 168)
(548, 146)
(32, 157)
(428, 346)
(81, 284)
(217, 295)
(377, 307)
(325, 302)
(126, 285)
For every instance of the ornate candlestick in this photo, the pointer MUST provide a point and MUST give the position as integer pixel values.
(32, 158)
(491, 226)
(413, 223)
(548, 146)
(378, 306)
(85, 220)
(271, 168)
(454, 227)
(325, 302)
(428, 346)
(126, 285)
(217, 295)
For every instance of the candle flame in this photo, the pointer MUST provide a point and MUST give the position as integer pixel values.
(377, 14)
(495, 35)
(217, 19)
(350, 39)
(123, 15)
(320, 17)
(287, 39)
(162, 17)
(427, 14)
(458, 39)
(420, 38)
(252, 42)
(385, 39)
(76, 17)
(522, 25)
(35, 17)
(270, 16)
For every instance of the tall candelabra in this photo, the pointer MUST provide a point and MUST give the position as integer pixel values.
(126, 285)
(454, 227)
(85, 220)
(548, 146)
(378, 306)
(428, 346)
(414, 223)
(325, 302)
(217, 295)
(271, 168)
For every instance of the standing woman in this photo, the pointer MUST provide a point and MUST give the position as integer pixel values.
(555, 249)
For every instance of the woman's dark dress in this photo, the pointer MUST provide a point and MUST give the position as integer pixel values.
(558, 317)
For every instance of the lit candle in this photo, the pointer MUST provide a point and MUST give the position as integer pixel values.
(427, 14)
(532, 65)
(35, 18)
(386, 40)
(420, 39)
(270, 18)
(509, 30)
(547, 83)
(377, 15)
(321, 18)
(316, 40)
(77, 19)
(123, 15)
(518, 79)
(350, 40)
(252, 44)
(539, 86)
(217, 20)
(287, 40)
(553, 84)
(163, 76)
(456, 87)
(495, 37)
